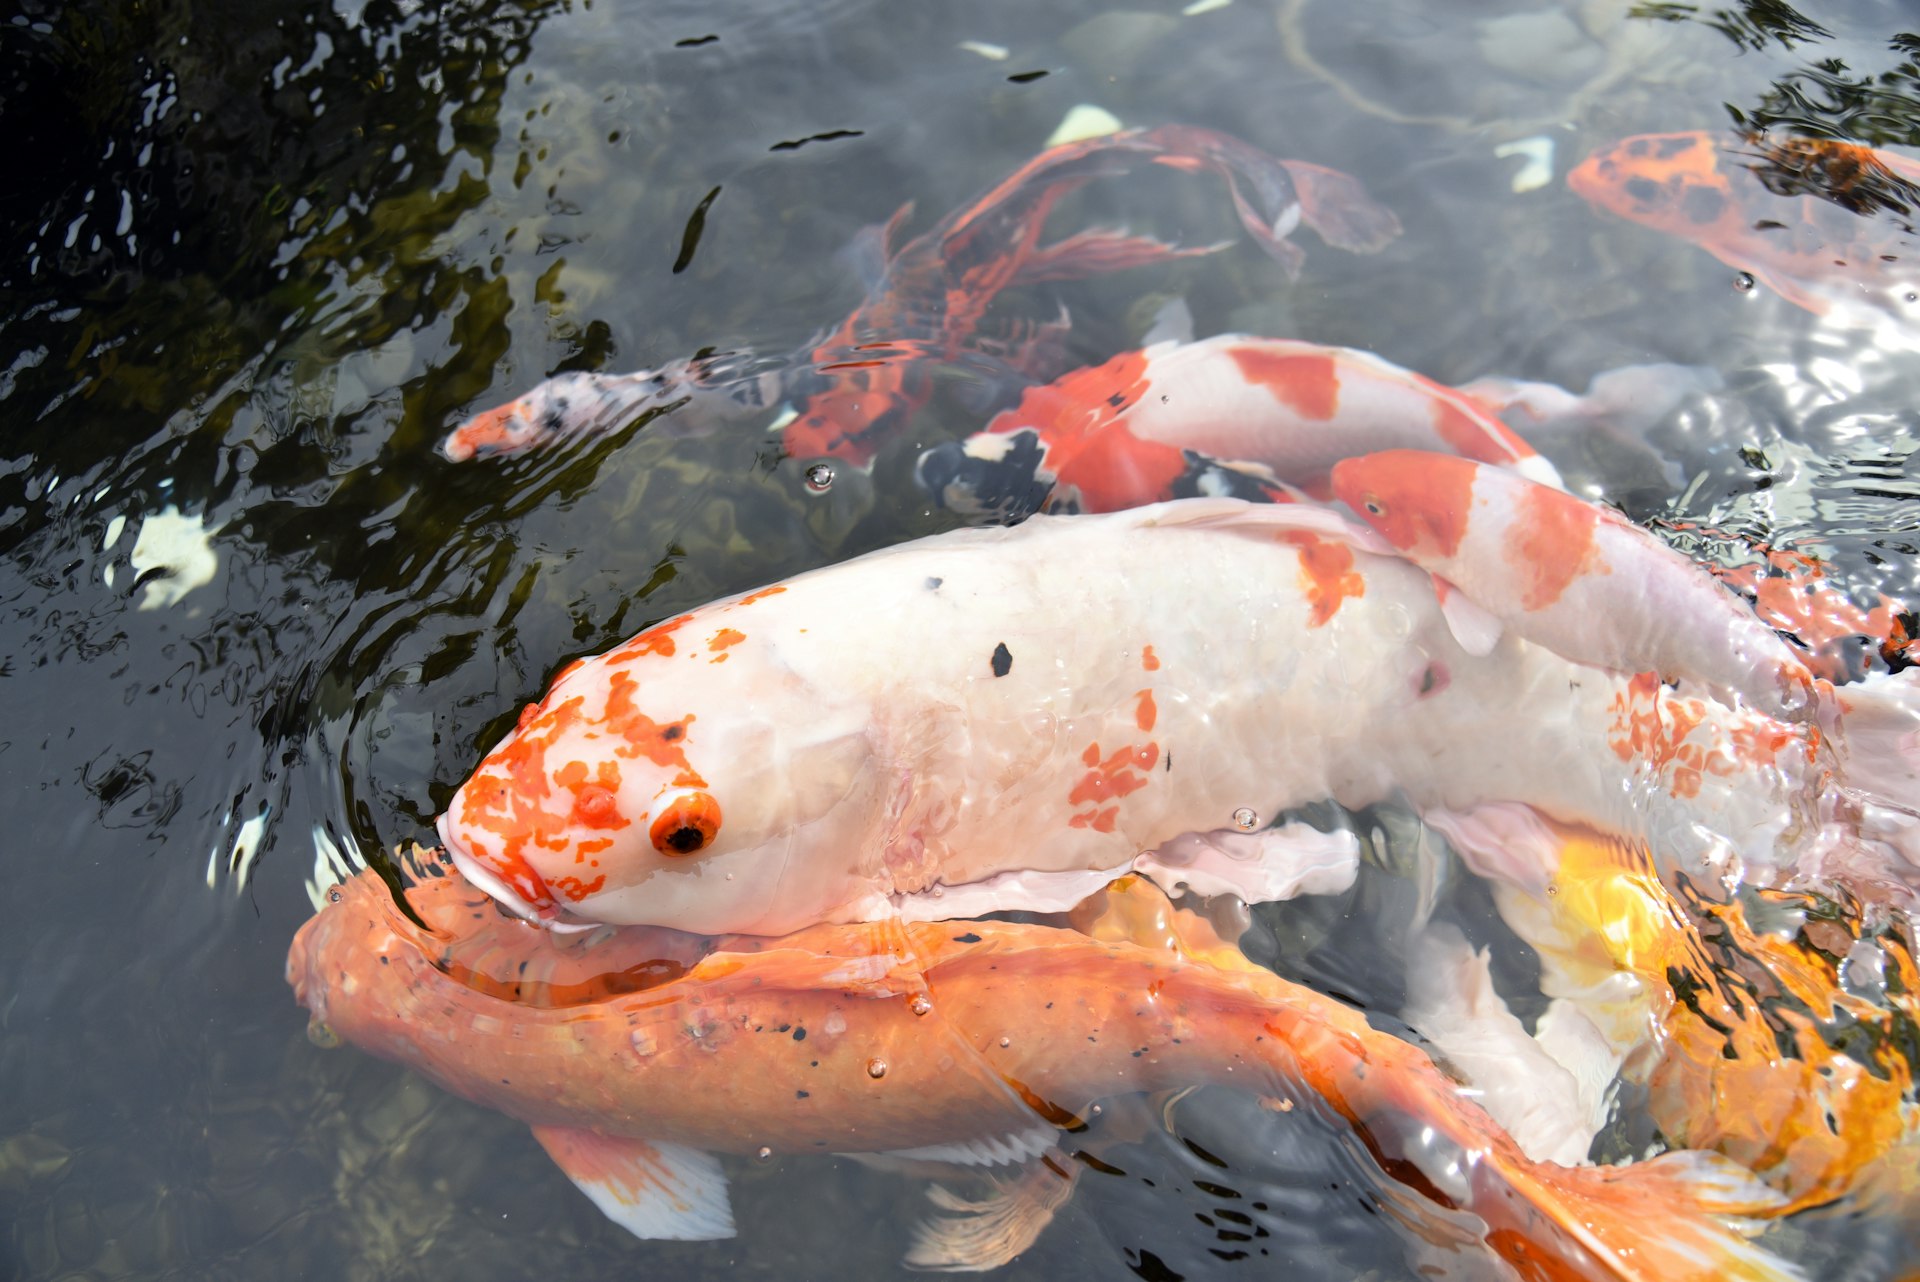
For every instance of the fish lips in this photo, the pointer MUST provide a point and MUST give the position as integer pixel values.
(486, 879)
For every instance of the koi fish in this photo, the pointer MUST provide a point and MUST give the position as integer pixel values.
(1822, 1074)
(633, 1092)
(1572, 575)
(874, 738)
(1597, 589)
(1827, 225)
(1179, 419)
(852, 388)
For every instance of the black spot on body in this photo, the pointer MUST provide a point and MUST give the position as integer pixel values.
(934, 582)
(673, 732)
(1002, 660)
(1639, 147)
(1702, 204)
(1643, 191)
(802, 1094)
(968, 938)
(1671, 147)
(799, 1034)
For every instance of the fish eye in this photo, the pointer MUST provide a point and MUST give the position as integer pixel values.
(1374, 507)
(687, 826)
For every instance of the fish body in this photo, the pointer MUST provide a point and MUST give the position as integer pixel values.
(1158, 423)
(1569, 574)
(856, 385)
(936, 1041)
(1825, 224)
(875, 737)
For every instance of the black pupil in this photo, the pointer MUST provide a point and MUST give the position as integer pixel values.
(687, 840)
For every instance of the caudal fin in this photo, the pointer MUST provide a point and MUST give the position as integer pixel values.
(1682, 1217)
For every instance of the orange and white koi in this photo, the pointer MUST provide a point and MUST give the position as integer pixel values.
(884, 736)
(985, 1046)
(1827, 225)
(1569, 574)
(855, 386)
(1178, 419)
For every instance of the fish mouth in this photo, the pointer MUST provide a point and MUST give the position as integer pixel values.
(488, 880)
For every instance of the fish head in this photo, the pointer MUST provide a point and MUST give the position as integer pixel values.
(691, 777)
(993, 473)
(1671, 182)
(1419, 502)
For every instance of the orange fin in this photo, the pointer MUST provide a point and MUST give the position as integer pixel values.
(1101, 250)
(1338, 207)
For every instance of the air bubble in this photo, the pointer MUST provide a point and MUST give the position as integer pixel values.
(1005, 1042)
(321, 1034)
(1743, 282)
(1246, 819)
(876, 1067)
(920, 1004)
(820, 477)
(333, 894)
(765, 1154)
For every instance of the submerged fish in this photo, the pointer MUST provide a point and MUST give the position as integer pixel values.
(906, 1052)
(1827, 225)
(1178, 419)
(856, 385)
(1004, 718)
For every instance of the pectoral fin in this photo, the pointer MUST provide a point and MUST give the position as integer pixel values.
(652, 1189)
(1472, 625)
(974, 1235)
(1260, 867)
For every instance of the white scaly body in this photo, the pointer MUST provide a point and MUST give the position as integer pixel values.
(841, 748)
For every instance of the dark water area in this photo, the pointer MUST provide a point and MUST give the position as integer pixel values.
(255, 630)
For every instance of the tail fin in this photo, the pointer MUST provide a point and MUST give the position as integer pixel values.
(1682, 1217)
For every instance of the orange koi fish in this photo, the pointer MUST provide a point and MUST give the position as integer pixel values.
(1219, 416)
(986, 1046)
(879, 737)
(854, 387)
(1747, 1041)
(1827, 225)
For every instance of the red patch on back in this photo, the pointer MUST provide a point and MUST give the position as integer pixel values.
(761, 595)
(1553, 543)
(1327, 575)
(1144, 712)
(1307, 384)
(1148, 659)
(1473, 435)
(724, 638)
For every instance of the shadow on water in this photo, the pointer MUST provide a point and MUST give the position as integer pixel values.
(260, 258)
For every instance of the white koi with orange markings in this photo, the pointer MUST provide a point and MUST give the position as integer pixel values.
(1001, 719)
(1136, 429)
(1570, 575)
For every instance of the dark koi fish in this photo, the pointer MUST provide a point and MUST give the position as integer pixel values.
(1827, 225)
(849, 390)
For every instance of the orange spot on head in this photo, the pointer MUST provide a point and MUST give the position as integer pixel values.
(1308, 383)
(1144, 711)
(663, 743)
(1092, 755)
(1148, 659)
(1418, 501)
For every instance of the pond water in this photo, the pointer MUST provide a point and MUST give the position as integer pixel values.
(261, 258)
